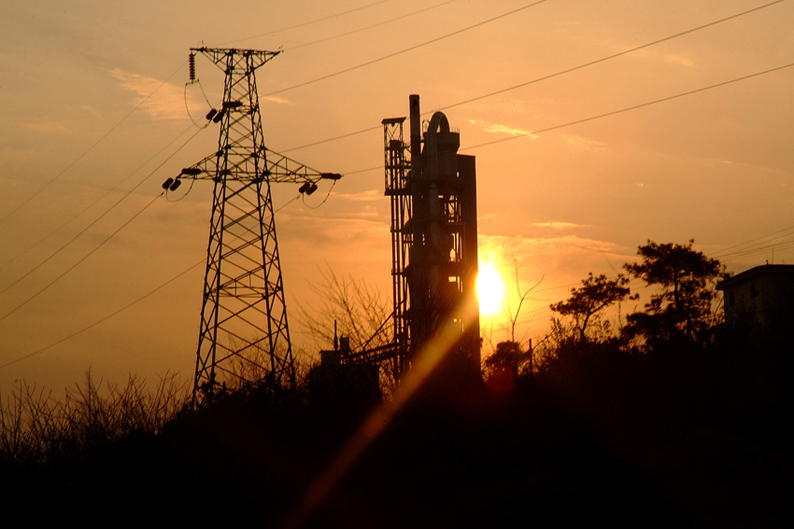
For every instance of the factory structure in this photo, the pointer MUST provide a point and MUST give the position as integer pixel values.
(433, 196)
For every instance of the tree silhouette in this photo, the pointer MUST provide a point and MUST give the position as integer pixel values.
(508, 356)
(683, 305)
(587, 302)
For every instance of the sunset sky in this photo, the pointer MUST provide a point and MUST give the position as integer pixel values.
(596, 125)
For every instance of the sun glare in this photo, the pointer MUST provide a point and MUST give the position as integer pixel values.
(490, 289)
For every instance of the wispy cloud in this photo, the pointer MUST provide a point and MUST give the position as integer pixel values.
(587, 144)
(367, 212)
(359, 235)
(278, 100)
(563, 244)
(670, 58)
(510, 130)
(45, 125)
(370, 195)
(489, 216)
(160, 100)
(60, 123)
(502, 129)
(560, 225)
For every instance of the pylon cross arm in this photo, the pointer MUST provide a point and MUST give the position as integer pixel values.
(278, 168)
(284, 169)
(219, 56)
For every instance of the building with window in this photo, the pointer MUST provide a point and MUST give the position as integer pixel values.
(760, 302)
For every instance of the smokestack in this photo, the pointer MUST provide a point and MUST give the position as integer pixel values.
(416, 136)
(417, 253)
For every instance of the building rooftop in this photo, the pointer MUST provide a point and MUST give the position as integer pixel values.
(763, 270)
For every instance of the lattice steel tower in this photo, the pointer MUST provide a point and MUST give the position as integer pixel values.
(244, 334)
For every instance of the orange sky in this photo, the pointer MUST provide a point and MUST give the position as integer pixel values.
(558, 197)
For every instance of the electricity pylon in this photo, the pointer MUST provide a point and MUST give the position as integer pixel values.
(244, 335)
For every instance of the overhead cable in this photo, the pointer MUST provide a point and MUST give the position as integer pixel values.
(606, 114)
(411, 48)
(90, 225)
(102, 320)
(98, 199)
(90, 148)
(303, 24)
(122, 309)
(615, 55)
(365, 28)
(76, 264)
(778, 240)
(556, 74)
(633, 107)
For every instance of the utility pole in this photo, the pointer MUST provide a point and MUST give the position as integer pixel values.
(244, 333)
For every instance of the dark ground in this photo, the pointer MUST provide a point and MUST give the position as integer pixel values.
(627, 447)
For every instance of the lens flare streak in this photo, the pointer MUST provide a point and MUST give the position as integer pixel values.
(427, 359)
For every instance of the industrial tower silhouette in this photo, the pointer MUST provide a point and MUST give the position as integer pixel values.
(433, 196)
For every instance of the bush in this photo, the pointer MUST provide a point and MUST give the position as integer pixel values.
(38, 429)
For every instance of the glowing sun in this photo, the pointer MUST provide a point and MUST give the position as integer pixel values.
(490, 289)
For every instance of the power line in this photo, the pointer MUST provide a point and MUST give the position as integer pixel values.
(778, 240)
(341, 136)
(303, 24)
(634, 107)
(98, 322)
(762, 250)
(86, 256)
(411, 48)
(615, 55)
(122, 309)
(90, 148)
(557, 74)
(472, 147)
(149, 96)
(90, 225)
(86, 152)
(774, 234)
(89, 206)
(608, 114)
(378, 24)
(781, 239)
